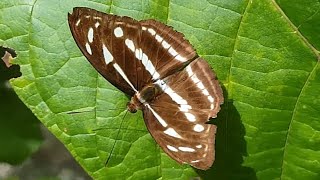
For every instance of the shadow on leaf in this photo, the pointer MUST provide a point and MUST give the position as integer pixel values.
(230, 146)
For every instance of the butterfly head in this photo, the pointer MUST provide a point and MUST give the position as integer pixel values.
(132, 107)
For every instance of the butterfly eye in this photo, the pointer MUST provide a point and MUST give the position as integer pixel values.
(131, 107)
(133, 111)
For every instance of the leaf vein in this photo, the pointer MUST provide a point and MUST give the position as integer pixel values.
(294, 112)
(314, 50)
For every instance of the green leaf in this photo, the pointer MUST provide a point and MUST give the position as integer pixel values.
(305, 18)
(266, 54)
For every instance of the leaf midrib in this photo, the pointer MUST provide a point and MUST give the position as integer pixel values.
(294, 112)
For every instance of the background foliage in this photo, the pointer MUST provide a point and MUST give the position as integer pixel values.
(19, 129)
(265, 53)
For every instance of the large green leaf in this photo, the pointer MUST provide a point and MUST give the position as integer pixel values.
(266, 54)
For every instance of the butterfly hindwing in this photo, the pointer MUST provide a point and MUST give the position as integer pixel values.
(177, 118)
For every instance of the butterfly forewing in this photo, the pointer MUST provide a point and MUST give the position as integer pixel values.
(158, 48)
(172, 51)
(102, 39)
(176, 90)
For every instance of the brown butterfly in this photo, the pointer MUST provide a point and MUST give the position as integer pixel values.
(175, 88)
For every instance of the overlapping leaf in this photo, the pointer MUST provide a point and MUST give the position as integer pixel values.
(20, 134)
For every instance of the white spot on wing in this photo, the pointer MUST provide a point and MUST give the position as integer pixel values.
(173, 52)
(205, 149)
(189, 70)
(172, 132)
(200, 85)
(171, 148)
(108, 58)
(137, 53)
(118, 32)
(144, 59)
(144, 28)
(199, 146)
(159, 38)
(78, 22)
(185, 108)
(180, 58)
(152, 31)
(123, 75)
(205, 92)
(195, 161)
(198, 128)
(149, 66)
(90, 35)
(130, 44)
(186, 149)
(190, 117)
(195, 79)
(210, 98)
(165, 44)
(140, 54)
(159, 118)
(97, 24)
(88, 48)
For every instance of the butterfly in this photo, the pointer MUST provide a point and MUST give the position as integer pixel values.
(159, 69)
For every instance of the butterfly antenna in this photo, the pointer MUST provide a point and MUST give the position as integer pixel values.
(93, 110)
(114, 144)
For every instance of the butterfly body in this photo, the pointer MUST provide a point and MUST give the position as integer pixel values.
(175, 88)
(147, 95)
